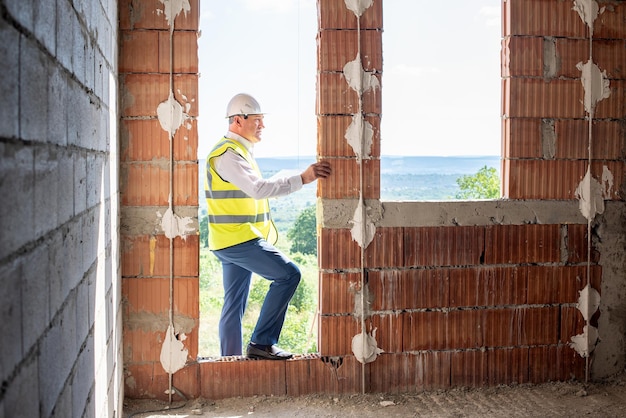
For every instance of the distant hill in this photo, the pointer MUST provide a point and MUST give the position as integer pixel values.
(397, 164)
(390, 165)
(284, 163)
(436, 165)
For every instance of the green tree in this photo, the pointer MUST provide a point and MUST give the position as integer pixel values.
(204, 231)
(303, 300)
(483, 185)
(302, 234)
(295, 332)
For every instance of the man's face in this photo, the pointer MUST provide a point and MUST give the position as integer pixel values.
(251, 127)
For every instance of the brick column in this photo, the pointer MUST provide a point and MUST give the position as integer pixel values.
(158, 159)
(345, 37)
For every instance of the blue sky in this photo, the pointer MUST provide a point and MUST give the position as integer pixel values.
(441, 74)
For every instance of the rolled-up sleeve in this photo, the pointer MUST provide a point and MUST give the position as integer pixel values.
(233, 168)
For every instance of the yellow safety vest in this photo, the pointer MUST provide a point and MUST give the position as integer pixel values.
(234, 217)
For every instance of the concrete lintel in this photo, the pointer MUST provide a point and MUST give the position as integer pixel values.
(338, 213)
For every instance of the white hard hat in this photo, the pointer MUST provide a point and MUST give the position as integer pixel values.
(243, 104)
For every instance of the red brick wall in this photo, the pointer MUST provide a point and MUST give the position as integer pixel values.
(480, 299)
(537, 98)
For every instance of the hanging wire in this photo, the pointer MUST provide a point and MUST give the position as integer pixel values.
(363, 215)
(171, 207)
(298, 86)
(299, 66)
(591, 115)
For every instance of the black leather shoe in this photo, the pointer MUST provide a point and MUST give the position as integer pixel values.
(267, 353)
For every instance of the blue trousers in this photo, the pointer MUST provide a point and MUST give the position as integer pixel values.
(238, 264)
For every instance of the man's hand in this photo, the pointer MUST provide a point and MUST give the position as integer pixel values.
(315, 171)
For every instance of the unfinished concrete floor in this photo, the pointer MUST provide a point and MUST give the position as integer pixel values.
(605, 399)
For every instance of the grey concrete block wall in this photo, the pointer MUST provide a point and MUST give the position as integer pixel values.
(60, 288)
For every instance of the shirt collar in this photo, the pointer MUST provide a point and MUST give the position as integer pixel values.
(243, 141)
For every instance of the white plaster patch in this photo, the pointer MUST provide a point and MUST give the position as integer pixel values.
(360, 128)
(607, 182)
(586, 342)
(171, 115)
(595, 84)
(358, 79)
(591, 193)
(588, 302)
(358, 6)
(187, 109)
(365, 348)
(172, 8)
(588, 10)
(358, 226)
(173, 351)
(176, 226)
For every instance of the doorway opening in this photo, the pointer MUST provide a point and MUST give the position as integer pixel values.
(243, 48)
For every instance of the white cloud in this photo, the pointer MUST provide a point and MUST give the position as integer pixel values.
(206, 15)
(272, 6)
(491, 14)
(413, 71)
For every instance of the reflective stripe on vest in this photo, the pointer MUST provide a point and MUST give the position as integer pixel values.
(238, 219)
(228, 194)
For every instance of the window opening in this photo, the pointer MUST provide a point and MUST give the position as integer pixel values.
(441, 98)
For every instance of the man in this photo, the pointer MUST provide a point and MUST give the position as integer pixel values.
(242, 234)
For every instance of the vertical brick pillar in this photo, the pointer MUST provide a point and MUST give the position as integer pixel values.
(564, 130)
(342, 35)
(545, 130)
(337, 44)
(152, 169)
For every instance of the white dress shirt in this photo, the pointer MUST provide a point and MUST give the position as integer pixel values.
(234, 168)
